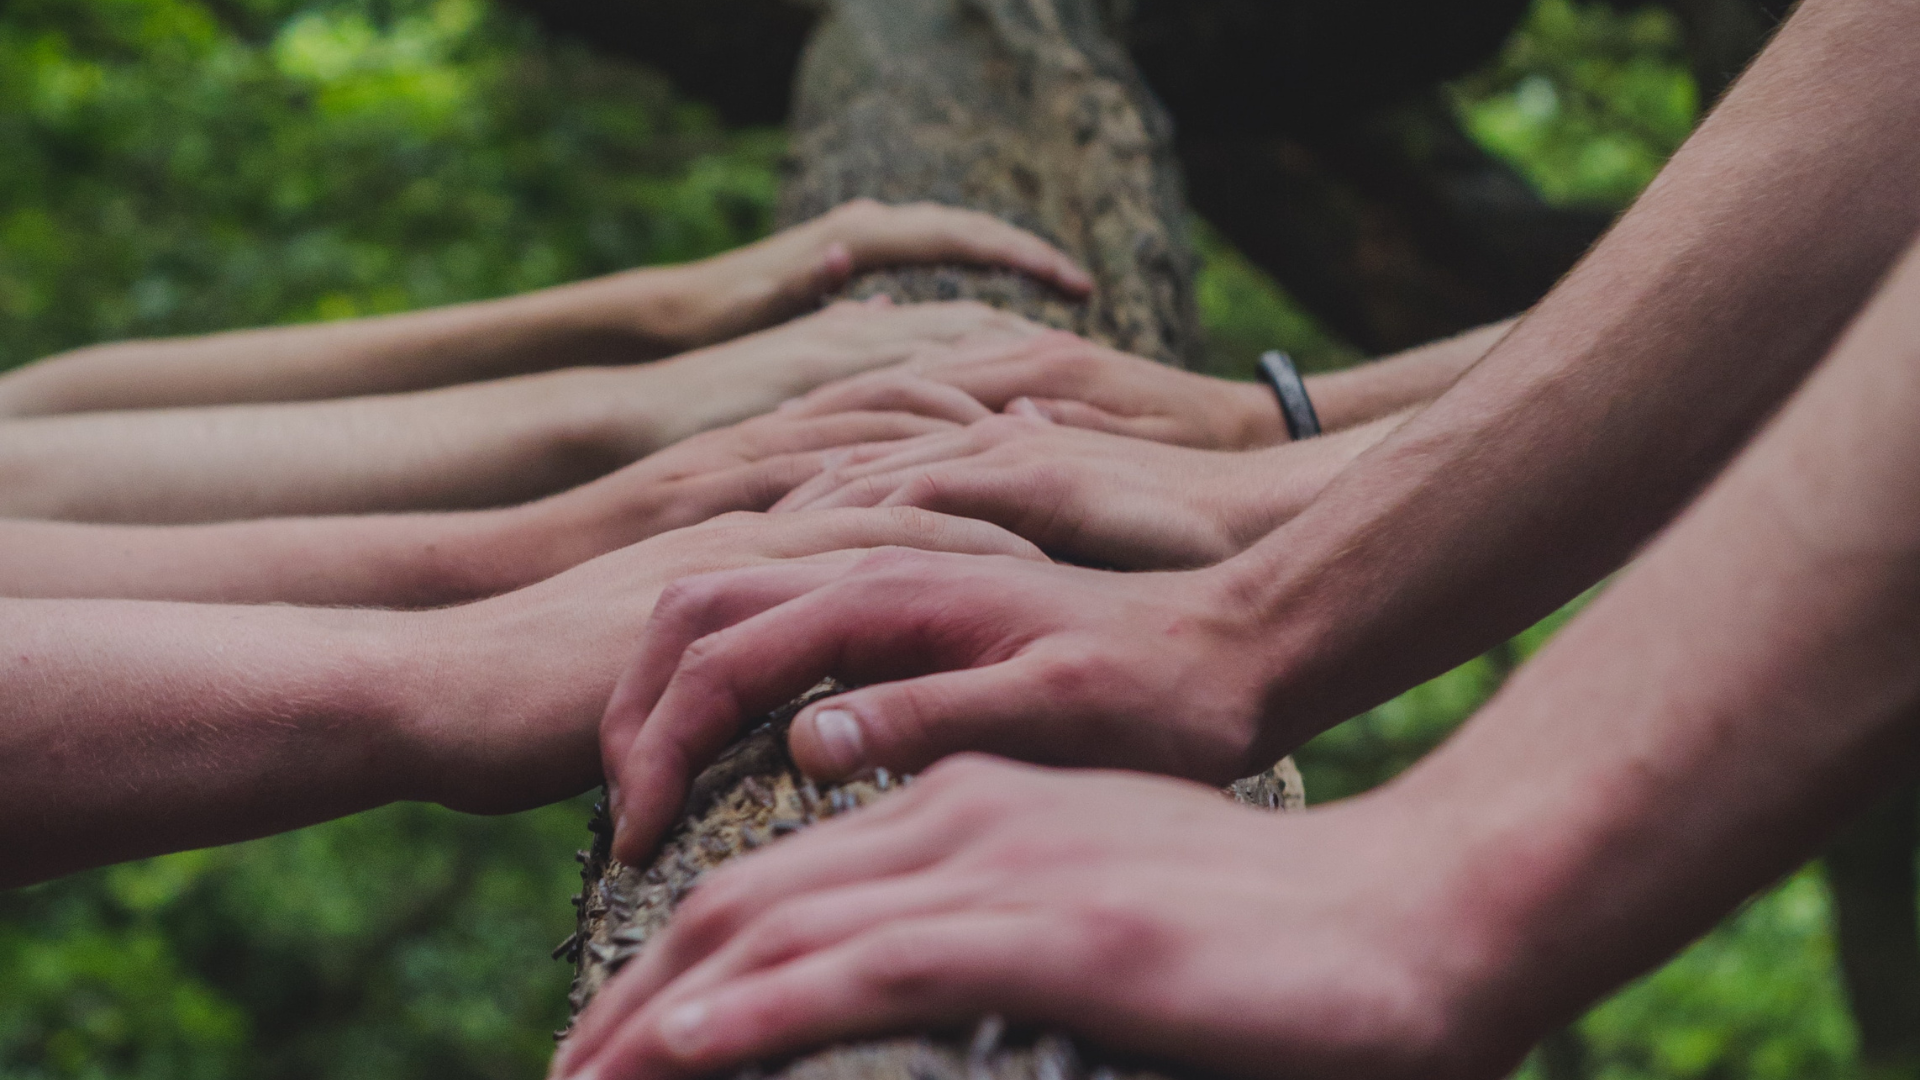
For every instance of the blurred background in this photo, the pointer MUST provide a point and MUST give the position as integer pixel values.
(176, 166)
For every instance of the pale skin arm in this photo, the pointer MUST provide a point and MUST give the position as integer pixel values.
(622, 318)
(1541, 470)
(1088, 490)
(430, 559)
(1699, 730)
(464, 447)
(1072, 381)
(1090, 496)
(134, 728)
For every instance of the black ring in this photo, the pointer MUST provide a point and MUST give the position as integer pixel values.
(1277, 369)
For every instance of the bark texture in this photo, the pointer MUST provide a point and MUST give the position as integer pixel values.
(753, 796)
(1026, 109)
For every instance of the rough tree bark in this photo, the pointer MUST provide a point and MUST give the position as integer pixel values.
(1309, 130)
(1025, 108)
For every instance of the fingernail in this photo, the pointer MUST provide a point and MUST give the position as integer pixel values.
(840, 740)
(684, 1029)
(1025, 406)
(588, 1073)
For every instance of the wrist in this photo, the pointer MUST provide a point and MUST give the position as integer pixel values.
(1481, 996)
(1259, 420)
(489, 710)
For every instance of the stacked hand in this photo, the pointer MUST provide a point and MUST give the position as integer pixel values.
(1032, 660)
(539, 664)
(744, 466)
(1147, 914)
(754, 374)
(1087, 495)
(1071, 380)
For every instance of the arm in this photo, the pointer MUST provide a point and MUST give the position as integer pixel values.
(1542, 469)
(1694, 734)
(1069, 380)
(461, 447)
(1090, 496)
(1405, 380)
(134, 728)
(622, 318)
(429, 559)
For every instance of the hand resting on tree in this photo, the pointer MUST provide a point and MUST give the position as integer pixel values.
(137, 727)
(622, 318)
(427, 559)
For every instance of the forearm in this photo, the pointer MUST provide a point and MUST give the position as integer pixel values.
(383, 560)
(1399, 382)
(1266, 488)
(623, 318)
(463, 447)
(137, 728)
(1622, 392)
(1752, 681)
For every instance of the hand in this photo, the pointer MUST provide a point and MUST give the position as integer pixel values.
(1070, 380)
(505, 715)
(1049, 663)
(754, 374)
(745, 466)
(1148, 914)
(1085, 495)
(788, 272)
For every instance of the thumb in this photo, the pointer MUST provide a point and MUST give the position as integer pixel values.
(908, 725)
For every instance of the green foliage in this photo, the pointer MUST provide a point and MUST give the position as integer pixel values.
(168, 171)
(187, 165)
(1246, 313)
(1758, 998)
(1586, 101)
(409, 941)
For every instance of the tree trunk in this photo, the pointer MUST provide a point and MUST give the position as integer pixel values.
(1871, 872)
(1027, 109)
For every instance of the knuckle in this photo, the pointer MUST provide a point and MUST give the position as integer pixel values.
(899, 962)
(1107, 925)
(1079, 673)
(713, 908)
(917, 523)
(684, 599)
(902, 561)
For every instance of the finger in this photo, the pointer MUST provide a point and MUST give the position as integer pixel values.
(677, 706)
(844, 470)
(1070, 413)
(840, 493)
(787, 435)
(888, 391)
(933, 971)
(842, 458)
(1001, 708)
(753, 486)
(929, 232)
(866, 483)
(826, 883)
(754, 655)
(648, 773)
